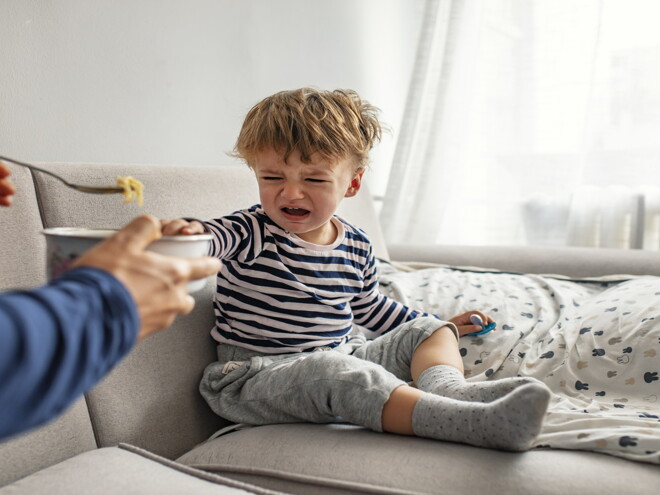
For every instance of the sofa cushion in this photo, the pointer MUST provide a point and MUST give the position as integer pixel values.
(169, 192)
(22, 245)
(68, 435)
(333, 459)
(23, 255)
(172, 192)
(126, 470)
(151, 399)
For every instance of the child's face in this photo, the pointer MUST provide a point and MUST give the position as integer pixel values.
(302, 197)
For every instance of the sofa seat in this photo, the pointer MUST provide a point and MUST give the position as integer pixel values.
(126, 470)
(341, 458)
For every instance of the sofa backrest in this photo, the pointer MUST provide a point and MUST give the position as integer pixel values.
(151, 399)
(22, 246)
(23, 265)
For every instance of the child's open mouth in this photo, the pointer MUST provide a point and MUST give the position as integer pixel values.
(295, 212)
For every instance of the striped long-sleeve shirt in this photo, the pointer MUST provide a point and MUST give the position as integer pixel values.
(277, 293)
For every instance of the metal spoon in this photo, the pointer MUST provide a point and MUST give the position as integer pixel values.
(87, 189)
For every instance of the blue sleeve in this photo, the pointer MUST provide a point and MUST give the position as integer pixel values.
(58, 341)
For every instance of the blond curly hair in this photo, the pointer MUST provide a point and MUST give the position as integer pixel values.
(335, 124)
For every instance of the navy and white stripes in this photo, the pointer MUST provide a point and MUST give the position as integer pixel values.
(277, 293)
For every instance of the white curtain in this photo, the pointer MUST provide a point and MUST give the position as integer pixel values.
(531, 122)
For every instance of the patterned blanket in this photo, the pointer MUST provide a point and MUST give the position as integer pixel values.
(595, 343)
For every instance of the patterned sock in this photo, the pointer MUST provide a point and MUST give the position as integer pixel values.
(509, 423)
(449, 382)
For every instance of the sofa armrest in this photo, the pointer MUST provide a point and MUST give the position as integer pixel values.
(127, 469)
(569, 261)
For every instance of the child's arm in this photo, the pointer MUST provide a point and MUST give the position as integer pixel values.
(238, 235)
(380, 314)
(372, 309)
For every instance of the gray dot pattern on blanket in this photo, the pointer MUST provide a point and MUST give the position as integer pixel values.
(595, 343)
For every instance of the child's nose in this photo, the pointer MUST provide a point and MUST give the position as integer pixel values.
(292, 190)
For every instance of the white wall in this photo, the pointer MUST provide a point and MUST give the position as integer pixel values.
(169, 81)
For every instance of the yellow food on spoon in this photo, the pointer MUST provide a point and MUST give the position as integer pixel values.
(132, 189)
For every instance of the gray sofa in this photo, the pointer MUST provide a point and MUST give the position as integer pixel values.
(144, 428)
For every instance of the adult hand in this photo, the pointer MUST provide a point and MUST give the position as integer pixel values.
(7, 189)
(156, 282)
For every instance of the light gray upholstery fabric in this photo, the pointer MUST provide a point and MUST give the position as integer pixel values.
(333, 459)
(169, 192)
(68, 435)
(23, 265)
(172, 192)
(22, 245)
(151, 399)
(570, 261)
(125, 471)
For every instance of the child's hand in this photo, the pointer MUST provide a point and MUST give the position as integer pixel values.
(465, 326)
(180, 226)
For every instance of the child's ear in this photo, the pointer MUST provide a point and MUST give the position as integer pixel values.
(356, 183)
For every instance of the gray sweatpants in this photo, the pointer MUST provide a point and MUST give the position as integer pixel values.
(349, 383)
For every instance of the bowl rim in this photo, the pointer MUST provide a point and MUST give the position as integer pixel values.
(104, 233)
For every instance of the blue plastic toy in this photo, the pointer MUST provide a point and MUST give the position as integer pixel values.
(476, 320)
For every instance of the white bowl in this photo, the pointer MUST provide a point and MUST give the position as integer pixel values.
(65, 244)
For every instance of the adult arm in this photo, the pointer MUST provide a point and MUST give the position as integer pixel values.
(57, 341)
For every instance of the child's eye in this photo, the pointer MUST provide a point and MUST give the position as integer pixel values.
(315, 180)
(270, 178)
